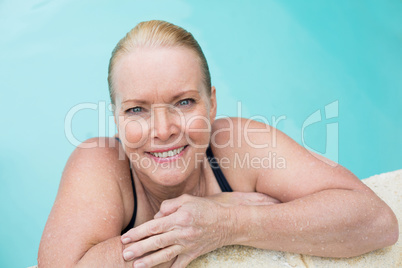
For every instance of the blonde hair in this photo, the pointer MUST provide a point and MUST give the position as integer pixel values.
(157, 33)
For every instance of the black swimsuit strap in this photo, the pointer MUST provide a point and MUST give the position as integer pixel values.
(132, 221)
(222, 181)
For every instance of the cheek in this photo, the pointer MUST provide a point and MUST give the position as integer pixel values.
(133, 133)
(198, 129)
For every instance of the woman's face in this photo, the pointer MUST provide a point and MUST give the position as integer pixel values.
(163, 112)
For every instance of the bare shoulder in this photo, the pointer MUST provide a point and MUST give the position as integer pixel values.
(92, 203)
(264, 159)
(236, 143)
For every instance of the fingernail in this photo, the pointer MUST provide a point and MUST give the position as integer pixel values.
(158, 215)
(128, 255)
(139, 265)
(126, 240)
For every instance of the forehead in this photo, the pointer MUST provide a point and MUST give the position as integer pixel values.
(156, 70)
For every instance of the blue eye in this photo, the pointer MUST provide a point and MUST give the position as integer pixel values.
(135, 110)
(186, 102)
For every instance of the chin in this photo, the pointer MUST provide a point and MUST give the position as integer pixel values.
(168, 177)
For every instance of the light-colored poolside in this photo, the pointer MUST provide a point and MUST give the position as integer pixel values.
(387, 186)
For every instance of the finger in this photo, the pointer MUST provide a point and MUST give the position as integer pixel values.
(182, 261)
(172, 205)
(149, 245)
(147, 229)
(160, 256)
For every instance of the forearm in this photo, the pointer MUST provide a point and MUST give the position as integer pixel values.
(105, 254)
(332, 223)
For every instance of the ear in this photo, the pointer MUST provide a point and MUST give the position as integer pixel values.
(213, 105)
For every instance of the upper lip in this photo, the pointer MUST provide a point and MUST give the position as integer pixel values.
(166, 150)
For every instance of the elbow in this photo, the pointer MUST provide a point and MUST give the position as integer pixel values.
(380, 231)
(393, 230)
(388, 224)
(49, 255)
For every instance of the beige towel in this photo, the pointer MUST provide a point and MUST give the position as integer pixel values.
(388, 186)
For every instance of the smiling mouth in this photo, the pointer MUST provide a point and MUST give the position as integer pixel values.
(168, 153)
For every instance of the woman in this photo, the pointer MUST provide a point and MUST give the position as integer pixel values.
(189, 183)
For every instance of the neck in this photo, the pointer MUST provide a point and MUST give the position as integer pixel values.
(194, 185)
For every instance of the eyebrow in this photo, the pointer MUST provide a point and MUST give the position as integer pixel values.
(176, 96)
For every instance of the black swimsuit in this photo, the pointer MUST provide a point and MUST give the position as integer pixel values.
(223, 184)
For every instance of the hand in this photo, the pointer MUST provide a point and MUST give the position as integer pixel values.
(162, 265)
(185, 227)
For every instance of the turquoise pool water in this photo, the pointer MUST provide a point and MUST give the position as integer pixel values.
(330, 74)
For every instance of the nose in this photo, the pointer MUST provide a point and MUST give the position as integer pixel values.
(165, 123)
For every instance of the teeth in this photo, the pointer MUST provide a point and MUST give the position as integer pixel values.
(168, 153)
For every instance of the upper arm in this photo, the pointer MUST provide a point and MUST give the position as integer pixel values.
(265, 160)
(296, 172)
(89, 206)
